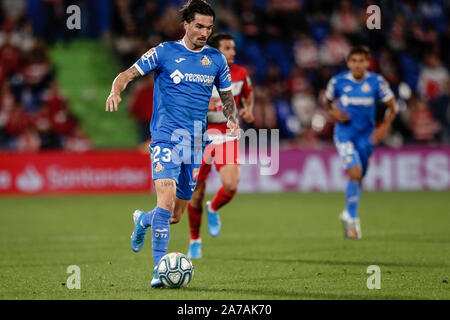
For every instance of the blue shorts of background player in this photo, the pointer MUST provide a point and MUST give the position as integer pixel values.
(354, 150)
(179, 163)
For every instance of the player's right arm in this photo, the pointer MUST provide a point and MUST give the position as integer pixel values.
(147, 63)
(335, 113)
(119, 85)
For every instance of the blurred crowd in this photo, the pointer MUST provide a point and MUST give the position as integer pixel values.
(292, 48)
(34, 115)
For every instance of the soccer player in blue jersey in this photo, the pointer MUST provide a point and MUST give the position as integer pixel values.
(358, 92)
(185, 73)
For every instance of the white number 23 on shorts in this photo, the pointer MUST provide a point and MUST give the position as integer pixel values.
(165, 153)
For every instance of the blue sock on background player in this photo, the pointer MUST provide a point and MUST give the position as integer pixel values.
(352, 197)
(160, 233)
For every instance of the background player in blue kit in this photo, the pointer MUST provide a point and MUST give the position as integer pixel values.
(358, 92)
(185, 73)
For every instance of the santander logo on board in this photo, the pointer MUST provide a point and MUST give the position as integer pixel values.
(29, 180)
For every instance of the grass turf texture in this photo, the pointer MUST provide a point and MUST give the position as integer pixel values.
(280, 246)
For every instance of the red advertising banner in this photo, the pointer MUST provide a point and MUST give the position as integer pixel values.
(408, 168)
(56, 172)
(413, 168)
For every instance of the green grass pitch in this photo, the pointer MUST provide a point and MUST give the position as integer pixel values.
(272, 246)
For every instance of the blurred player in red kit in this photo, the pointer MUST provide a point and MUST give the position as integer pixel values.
(223, 152)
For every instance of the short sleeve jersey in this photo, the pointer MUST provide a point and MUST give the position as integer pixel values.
(184, 80)
(359, 99)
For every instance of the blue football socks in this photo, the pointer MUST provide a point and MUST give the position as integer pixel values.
(147, 219)
(352, 197)
(160, 233)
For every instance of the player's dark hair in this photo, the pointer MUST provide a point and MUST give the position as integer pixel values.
(359, 50)
(196, 6)
(214, 40)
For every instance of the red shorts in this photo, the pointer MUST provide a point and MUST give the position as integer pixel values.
(220, 155)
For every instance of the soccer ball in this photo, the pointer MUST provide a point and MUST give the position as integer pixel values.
(175, 270)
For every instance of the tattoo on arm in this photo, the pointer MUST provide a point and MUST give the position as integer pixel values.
(229, 106)
(133, 73)
(123, 79)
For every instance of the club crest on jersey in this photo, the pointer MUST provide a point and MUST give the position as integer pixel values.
(159, 167)
(149, 53)
(365, 87)
(206, 61)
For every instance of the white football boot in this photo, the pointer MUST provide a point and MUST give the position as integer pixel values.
(352, 227)
(156, 281)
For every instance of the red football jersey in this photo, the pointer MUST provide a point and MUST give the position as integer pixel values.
(241, 85)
